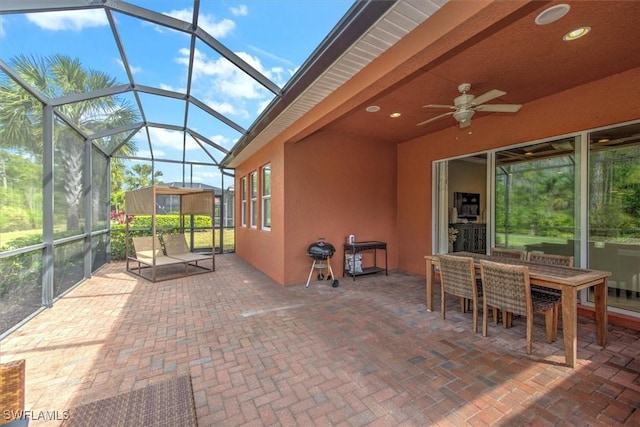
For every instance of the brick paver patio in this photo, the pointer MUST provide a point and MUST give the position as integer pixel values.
(365, 353)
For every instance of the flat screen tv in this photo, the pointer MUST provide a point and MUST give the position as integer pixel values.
(467, 205)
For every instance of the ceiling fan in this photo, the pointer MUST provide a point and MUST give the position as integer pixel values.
(466, 105)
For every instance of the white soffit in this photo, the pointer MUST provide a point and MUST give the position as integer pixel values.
(400, 19)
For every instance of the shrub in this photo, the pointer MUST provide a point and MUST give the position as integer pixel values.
(141, 226)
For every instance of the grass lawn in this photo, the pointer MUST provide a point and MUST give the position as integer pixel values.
(518, 241)
(202, 239)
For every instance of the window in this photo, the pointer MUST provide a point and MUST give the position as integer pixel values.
(254, 198)
(535, 197)
(614, 213)
(266, 197)
(538, 205)
(243, 202)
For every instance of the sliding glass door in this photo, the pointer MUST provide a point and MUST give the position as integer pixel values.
(577, 195)
(614, 212)
(535, 197)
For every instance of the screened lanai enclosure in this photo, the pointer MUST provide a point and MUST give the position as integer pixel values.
(101, 97)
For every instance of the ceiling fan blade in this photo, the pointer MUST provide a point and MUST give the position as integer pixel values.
(435, 118)
(499, 108)
(448, 107)
(492, 94)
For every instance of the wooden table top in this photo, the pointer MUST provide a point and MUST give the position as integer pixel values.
(573, 276)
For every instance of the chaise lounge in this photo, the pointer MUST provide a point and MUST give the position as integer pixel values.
(149, 255)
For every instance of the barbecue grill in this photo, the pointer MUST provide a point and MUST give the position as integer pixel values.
(321, 252)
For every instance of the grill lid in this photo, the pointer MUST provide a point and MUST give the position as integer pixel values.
(321, 250)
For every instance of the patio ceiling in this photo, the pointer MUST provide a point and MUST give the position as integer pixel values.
(514, 55)
(497, 47)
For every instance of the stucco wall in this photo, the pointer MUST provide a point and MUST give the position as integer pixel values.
(598, 104)
(336, 185)
(261, 248)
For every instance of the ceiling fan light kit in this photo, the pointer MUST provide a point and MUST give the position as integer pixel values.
(463, 117)
(465, 105)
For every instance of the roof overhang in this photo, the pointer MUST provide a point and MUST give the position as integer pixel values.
(368, 29)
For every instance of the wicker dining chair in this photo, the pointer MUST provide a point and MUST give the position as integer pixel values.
(554, 295)
(507, 288)
(508, 253)
(550, 259)
(505, 253)
(12, 390)
(458, 277)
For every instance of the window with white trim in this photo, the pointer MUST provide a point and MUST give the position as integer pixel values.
(253, 190)
(266, 197)
(243, 201)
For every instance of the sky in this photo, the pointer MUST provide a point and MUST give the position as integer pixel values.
(274, 36)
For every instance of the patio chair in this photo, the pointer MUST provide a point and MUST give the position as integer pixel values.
(507, 288)
(146, 248)
(457, 277)
(149, 255)
(12, 391)
(508, 253)
(176, 247)
(554, 295)
(505, 253)
(550, 259)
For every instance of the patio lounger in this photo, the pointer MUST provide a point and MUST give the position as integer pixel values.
(149, 250)
(176, 247)
(145, 251)
(149, 254)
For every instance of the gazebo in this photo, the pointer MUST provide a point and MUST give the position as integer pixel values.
(174, 246)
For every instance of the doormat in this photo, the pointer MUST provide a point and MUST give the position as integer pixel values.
(166, 404)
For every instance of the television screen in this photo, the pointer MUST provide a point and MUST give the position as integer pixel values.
(467, 205)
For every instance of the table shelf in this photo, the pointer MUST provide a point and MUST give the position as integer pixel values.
(352, 249)
(365, 270)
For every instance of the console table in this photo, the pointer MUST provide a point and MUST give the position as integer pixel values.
(351, 249)
(471, 237)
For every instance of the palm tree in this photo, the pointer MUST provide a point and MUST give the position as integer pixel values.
(21, 124)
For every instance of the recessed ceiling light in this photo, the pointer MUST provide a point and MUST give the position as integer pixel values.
(528, 153)
(373, 109)
(552, 14)
(576, 34)
(604, 139)
(395, 115)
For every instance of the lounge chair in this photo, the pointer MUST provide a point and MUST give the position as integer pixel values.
(176, 247)
(149, 254)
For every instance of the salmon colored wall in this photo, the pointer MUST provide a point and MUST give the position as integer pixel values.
(336, 185)
(261, 248)
(597, 104)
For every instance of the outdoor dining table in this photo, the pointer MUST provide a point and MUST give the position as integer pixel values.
(569, 280)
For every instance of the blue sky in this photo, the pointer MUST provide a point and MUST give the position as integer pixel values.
(274, 36)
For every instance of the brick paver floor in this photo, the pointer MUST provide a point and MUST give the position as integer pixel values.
(364, 353)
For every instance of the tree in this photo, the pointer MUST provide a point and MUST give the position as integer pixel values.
(21, 123)
(140, 176)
